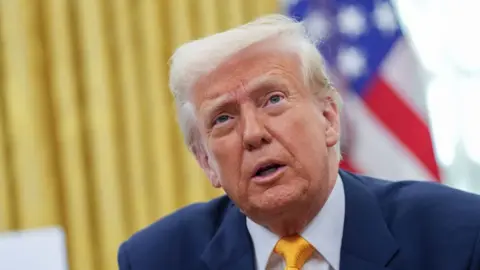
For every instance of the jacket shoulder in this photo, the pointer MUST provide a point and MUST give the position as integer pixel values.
(425, 199)
(437, 224)
(422, 199)
(185, 231)
(427, 210)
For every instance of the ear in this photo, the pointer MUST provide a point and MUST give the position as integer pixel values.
(202, 158)
(332, 129)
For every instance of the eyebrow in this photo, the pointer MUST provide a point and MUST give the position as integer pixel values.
(264, 80)
(216, 103)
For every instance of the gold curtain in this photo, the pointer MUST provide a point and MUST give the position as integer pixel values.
(88, 139)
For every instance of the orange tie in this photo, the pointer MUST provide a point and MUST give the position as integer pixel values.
(295, 250)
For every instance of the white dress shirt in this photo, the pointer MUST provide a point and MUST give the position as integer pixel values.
(324, 232)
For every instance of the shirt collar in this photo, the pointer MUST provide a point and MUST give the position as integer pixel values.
(324, 232)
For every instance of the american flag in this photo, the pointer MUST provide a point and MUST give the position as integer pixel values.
(385, 122)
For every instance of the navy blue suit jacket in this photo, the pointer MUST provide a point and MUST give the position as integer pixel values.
(388, 225)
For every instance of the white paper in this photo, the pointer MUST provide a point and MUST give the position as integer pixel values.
(36, 249)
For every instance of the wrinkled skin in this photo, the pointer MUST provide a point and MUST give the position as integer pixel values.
(255, 106)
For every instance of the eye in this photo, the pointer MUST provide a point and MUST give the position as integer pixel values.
(274, 99)
(221, 119)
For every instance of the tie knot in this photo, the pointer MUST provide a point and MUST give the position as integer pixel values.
(295, 250)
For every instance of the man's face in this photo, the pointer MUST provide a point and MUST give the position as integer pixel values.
(267, 134)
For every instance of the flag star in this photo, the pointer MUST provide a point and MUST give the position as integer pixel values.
(292, 2)
(351, 62)
(317, 25)
(286, 3)
(385, 18)
(351, 21)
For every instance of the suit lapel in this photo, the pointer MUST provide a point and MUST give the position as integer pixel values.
(231, 247)
(367, 242)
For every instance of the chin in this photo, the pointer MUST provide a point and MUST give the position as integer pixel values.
(276, 202)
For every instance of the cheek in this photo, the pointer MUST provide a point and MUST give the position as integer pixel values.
(303, 136)
(299, 128)
(227, 152)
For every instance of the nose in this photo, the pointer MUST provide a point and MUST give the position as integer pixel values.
(254, 132)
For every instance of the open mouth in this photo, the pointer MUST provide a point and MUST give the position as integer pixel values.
(268, 170)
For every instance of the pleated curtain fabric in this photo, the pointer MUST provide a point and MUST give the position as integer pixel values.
(88, 139)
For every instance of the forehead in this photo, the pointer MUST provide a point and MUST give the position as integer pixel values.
(245, 67)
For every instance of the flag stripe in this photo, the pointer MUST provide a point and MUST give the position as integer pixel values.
(377, 151)
(346, 164)
(407, 126)
(403, 71)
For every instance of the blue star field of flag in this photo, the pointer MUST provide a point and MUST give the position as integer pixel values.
(354, 36)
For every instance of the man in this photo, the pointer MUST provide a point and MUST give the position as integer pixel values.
(262, 120)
